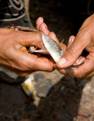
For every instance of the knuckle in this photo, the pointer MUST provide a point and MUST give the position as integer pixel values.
(51, 68)
(70, 55)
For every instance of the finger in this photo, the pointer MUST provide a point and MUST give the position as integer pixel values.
(41, 64)
(39, 21)
(71, 39)
(74, 50)
(27, 62)
(53, 36)
(62, 71)
(30, 39)
(69, 71)
(42, 26)
(84, 70)
(79, 61)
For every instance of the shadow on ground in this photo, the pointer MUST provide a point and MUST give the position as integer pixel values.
(61, 104)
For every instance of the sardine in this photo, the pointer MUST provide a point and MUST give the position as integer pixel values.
(52, 47)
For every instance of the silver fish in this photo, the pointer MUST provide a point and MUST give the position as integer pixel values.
(52, 47)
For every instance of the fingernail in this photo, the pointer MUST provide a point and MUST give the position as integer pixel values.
(62, 62)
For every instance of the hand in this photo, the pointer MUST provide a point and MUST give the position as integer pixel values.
(41, 25)
(83, 40)
(14, 53)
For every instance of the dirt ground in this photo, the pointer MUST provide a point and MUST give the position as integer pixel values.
(68, 99)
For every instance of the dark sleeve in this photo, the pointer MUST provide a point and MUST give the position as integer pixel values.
(11, 10)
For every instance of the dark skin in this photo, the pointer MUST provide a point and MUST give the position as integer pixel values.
(83, 40)
(14, 53)
(72, 54)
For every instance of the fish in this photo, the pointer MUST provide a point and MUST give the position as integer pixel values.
(52, 47)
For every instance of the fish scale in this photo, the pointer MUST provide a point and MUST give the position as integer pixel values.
(52, 47)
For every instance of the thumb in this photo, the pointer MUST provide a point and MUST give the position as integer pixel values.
(74, 50)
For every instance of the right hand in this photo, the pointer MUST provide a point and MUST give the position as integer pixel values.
(14, 54)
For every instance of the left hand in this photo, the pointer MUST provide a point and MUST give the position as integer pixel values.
(83, 40)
